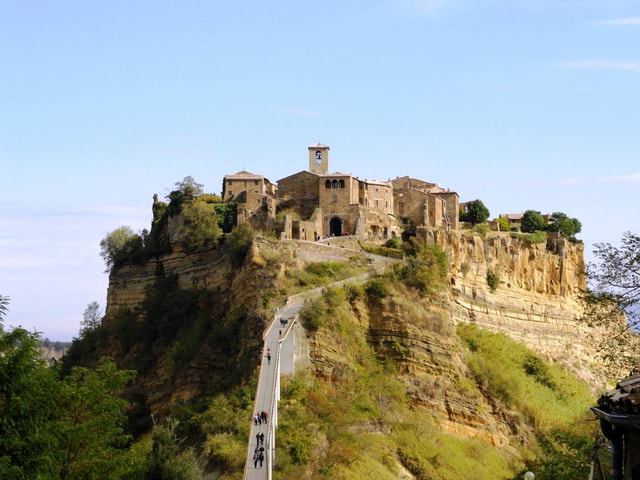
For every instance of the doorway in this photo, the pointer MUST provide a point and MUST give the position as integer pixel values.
(335, 227)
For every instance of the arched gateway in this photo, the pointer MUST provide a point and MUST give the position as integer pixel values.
(335, 227)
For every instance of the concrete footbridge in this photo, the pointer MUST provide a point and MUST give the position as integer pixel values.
(283, 346)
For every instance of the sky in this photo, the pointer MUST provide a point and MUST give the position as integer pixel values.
(523, 104)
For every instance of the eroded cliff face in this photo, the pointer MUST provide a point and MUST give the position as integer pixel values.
(537, 299)
(535, 302)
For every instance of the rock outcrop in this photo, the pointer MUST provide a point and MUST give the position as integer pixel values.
(535, 301)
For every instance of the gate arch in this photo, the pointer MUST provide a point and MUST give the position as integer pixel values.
(335, 227)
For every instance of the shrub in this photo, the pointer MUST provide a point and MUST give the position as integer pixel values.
(376, 289)
(493, 280)
(238, 243)
(503, 224)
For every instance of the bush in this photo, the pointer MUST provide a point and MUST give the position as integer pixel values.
(376, 289)
(493, 280)
(238, 243)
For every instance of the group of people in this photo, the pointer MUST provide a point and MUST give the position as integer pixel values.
(258, 456)
(259, 418)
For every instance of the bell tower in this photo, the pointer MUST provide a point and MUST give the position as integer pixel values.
(319, 159)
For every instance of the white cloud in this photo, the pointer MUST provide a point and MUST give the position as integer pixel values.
(625, 21)
(603, 65)
(297, 112)
(630, 178)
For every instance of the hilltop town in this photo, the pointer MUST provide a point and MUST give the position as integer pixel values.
(316, 203)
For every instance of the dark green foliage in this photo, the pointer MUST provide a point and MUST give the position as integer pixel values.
(533, 221)
(565, 456)
(493, 280)
(394, 243)
(168, 459)
(567, 227)
(52, 428)
(27, 387)
(200, 229)
(376, 289)
(538, 369)
(238, 243)
(227, 215)
(474, 212)
(313, 315)
(90, 430)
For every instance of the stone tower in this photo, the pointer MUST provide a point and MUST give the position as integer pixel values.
(319, 159)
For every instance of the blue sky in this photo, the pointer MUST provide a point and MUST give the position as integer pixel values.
(522, 104)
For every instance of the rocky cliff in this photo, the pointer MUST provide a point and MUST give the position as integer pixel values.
(535, 300)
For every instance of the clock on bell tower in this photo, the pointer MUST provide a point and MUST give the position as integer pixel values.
(319, 159)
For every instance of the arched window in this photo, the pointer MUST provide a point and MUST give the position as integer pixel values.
(334, 184)
(341, 183)
(327, 184)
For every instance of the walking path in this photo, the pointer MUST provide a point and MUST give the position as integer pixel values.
(277, 358)
(277, 339)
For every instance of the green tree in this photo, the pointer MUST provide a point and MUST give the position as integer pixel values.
(27, 443)
(91, 318)
(532, 221)
(189, 187)
(168, 459)
(474, 212)
(117, 246)
(615, 285)
(90, 427)
(567, 227)
(200, 228)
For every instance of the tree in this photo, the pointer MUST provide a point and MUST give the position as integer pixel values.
(90, 427)
(27, 441)
(616, 283)
(532, 221)
(91, 318)
(200, 228)
(116, 246)
(4, 308)
(168, 459)
(475, 212)
(189, 187)
(567, 227)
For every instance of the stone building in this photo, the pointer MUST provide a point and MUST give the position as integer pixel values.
(424, 203)
(314, 204)
(253, 194)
